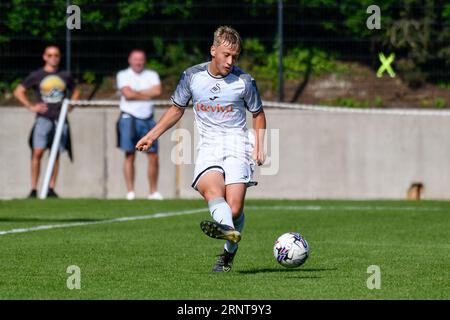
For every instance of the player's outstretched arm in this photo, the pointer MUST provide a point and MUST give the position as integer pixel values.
(169, 118)
(259, 125)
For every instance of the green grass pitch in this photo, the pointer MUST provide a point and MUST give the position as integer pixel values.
(168, 257)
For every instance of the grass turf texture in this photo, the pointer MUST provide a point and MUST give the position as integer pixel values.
(170, 258)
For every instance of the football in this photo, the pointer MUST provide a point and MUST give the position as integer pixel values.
(291, 250)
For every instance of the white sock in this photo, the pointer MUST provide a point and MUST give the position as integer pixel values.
(239, 225)
(221, 211)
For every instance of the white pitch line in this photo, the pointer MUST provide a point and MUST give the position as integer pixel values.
(342, 208)
(122, 219)
(384, 244)
(187, 212)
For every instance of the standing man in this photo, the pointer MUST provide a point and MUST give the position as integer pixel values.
(51, 86)
(138, 86)
(221, 94)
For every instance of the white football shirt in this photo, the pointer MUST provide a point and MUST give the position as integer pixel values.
(220, 105)
(137, 81)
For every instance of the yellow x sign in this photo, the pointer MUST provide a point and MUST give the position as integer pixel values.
(386, 65)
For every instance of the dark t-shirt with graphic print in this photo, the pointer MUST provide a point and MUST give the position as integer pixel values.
(50, 88)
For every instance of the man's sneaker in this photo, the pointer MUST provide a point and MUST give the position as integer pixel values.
(51, 193)
(155, 196)
(224, 261)
(33, 194)
(130, 195)
(220, 231)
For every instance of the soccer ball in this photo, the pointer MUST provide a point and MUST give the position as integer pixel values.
(291, 250)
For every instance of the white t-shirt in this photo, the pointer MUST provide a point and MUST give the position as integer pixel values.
(141, 109)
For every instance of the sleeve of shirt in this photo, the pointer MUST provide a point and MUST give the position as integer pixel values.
(182, 93)
(252, 98)
(121, 80)
(30, 81)
(155, 79)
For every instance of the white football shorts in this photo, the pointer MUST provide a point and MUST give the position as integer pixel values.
(235, 169)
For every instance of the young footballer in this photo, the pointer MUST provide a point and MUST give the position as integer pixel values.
(221, 94)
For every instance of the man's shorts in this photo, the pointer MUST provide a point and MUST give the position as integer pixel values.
(132, 129)
(44, 132)
(235, 169)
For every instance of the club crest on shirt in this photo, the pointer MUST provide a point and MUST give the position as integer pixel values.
(215, 89)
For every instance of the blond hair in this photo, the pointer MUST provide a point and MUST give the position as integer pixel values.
(228, 36)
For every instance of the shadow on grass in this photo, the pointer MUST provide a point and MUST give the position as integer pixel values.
(280, 270)
(49, 220)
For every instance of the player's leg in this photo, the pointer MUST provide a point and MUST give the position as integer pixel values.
(235, 195)
(238, 173)
(211, 186)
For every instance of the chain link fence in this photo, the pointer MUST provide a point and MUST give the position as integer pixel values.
(176, 34)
